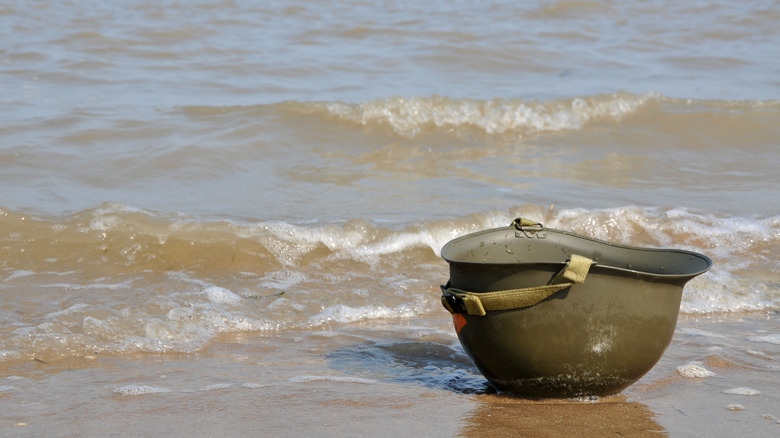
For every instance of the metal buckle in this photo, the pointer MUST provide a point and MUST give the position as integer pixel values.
(454, 301)
(528, 228)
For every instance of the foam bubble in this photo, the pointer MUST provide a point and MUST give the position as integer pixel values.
(305, 379)
(217, 386)
(694, 370)
(220, 295)
(735, 407)
(742, 391)
(140, 390)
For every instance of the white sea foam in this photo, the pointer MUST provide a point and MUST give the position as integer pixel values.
(770, 339)
(183, 277)
(70, 310)
(217, 386)
(676, 227)
(282, 280)
(760, 354)
(220, 295)
(340, 379)
(694, 370)
(93, 286)
(741, 243)
(409, 116)
(326, 333)
(283, 303)
(20, 273)
(9, 354)
(289, 242)
(253, 385)
(140, 390)
(192, 310)
(346, 314)
(103, 329)
(742, 276)
(181, 314)
(720, 290)
(397, 243)
(742, 391)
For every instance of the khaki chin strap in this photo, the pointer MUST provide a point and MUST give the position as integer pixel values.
(473, 303)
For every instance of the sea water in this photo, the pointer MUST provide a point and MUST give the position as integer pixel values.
(217, 202)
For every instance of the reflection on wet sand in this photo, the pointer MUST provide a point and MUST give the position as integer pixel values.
(498, 415)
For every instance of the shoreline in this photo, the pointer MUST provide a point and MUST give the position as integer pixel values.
(289, 384)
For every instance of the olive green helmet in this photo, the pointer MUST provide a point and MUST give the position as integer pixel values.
(548, 313)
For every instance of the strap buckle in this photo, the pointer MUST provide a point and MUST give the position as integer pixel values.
(528, 228)
(450, 301)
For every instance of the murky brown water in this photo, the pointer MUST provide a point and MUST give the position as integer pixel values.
(225, 218)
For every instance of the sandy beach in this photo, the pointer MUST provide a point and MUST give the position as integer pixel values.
(225, 218)
(226, 391)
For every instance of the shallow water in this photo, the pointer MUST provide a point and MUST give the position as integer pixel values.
(264, 191)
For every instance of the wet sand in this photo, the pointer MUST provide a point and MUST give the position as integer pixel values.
(330, 409)
(309, 384)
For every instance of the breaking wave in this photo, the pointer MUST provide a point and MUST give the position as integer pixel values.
(117, 279)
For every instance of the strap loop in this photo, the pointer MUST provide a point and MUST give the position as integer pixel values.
(474, 303)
